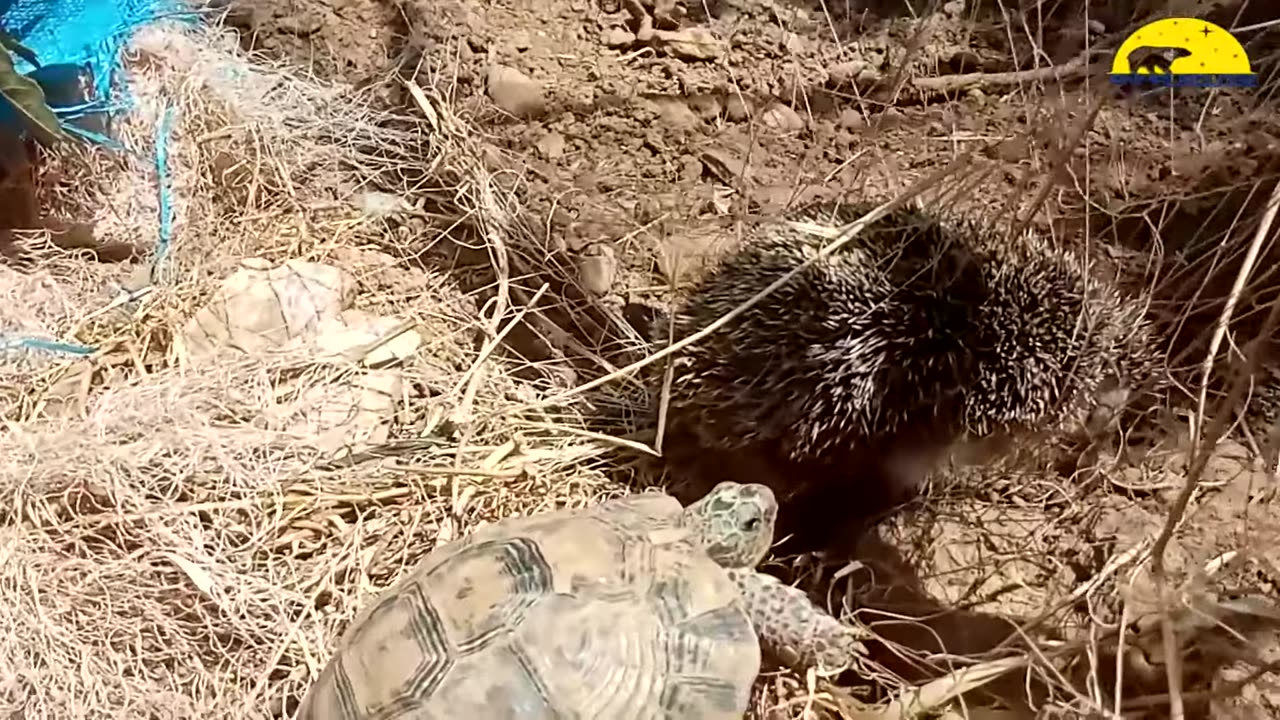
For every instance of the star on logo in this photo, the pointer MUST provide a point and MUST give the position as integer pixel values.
(1205, 31)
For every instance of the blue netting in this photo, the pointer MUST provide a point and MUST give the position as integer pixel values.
(73, 38)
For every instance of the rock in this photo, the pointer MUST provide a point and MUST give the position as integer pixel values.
(736, 108)
(846, 72)
(381, 205)
(516, 93)
(520, 41)
(1013, 150)
(782, 118)
(726, 166)
(692, 169)
(263, 307)
(794, 44)
(673, 112)
(597, 268)
(303, 25)
(551, 145)
(851, 119)
(616, 37)
(706, 107)
(690, 43)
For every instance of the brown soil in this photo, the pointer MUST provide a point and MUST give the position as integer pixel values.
(647, 130)
(355, 39)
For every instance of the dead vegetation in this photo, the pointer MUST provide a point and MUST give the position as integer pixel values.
(173, 546)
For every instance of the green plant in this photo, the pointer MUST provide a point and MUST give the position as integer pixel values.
(24, 94)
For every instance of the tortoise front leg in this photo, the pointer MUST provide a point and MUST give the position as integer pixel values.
(792, 628)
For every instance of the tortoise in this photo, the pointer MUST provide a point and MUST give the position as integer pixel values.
(633, 608)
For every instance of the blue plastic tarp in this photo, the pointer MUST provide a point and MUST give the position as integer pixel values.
(75, 40)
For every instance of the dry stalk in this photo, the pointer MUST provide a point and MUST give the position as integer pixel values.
(1204, 447)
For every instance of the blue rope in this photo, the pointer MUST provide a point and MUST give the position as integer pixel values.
(50, 346)
(163, 132)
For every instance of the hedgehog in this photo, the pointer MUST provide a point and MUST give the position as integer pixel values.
(873, 361)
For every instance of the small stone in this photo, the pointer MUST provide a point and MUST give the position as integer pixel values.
(846, 73)
(674, 112)
(691, 43)
(706, 107)
(725, 166)
(736, 107)
(516, 93)
(782, 118)
(380, 204)
(616, 37)
(300, 25)
(551, 145)
(869, 76)
(793, 43)
(520, 41)
(1013, 150)
(597, 268)
(851, 119)
(692, 169)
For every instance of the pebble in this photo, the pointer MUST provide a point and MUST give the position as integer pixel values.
(551, 145)
(616, 37)
(706, 107)
(674, 112)
(736, 107)
(851, 119)
(597, 268)
(691, 169)
(846, 72)
(780, 117)
(516, 92)
(691, 43)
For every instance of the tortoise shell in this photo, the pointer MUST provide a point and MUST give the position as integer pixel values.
(610, 611)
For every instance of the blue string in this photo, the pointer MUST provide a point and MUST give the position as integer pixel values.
(51, 346)
(163, 131)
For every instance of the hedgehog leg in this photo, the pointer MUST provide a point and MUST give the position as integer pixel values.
(841, 501)
(830, 514)
(792, 628)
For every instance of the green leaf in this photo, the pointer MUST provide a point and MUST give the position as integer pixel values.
(10, 43)
(25, 95)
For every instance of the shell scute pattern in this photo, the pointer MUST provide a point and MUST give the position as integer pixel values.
(612, 608)
(404, 626)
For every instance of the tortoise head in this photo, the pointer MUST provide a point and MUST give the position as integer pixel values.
(734, 523)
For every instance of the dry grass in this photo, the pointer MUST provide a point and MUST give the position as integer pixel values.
(170, 548)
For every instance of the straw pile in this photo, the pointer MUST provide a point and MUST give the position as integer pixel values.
(169, 547)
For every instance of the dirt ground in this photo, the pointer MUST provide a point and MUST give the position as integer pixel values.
(644, 132)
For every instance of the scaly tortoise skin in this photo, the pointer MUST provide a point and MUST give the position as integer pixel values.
(634, 609)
